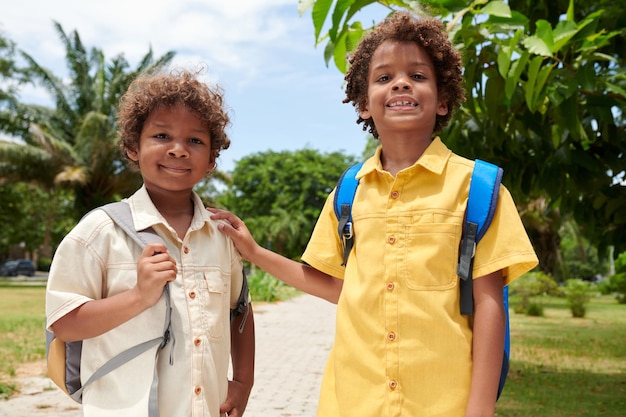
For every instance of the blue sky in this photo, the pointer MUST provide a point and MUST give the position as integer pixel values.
(261, 52)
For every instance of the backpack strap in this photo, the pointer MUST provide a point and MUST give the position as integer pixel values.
(243, 303)
(344, 197)
(120, 213)
(481, 207)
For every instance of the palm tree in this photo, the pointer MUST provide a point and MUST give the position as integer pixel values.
(74, 144)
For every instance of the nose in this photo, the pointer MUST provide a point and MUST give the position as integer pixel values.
(401, 82)
(178, 150)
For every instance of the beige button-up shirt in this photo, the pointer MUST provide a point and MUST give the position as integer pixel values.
(97, 259)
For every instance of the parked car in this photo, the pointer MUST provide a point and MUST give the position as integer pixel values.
(17, 267)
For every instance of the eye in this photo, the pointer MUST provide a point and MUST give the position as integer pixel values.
(383, 78)
(418, 76)
(161, 136)
(196, 141)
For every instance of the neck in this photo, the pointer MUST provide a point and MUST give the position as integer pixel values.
(399, 153)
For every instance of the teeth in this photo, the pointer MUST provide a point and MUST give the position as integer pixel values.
(401, 103)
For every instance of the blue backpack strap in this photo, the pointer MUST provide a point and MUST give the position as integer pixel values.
(481, 206)
(344, 196)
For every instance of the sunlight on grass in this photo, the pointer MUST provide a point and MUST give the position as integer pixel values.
(22, 323)
(567, 367)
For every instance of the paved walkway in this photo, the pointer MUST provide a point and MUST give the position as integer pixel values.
(292, 343)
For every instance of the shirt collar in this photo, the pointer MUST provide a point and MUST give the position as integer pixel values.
(434, 159)
(146, 215)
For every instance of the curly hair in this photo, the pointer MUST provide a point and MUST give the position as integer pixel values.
(429, 34)
(149, 92)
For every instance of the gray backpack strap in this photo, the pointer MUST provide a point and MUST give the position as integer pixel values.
(120, 213)
(117, 361)
(243, 303)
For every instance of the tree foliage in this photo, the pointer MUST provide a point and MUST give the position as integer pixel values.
(546, 100)
(280, 195)
(25, 214)
(74, 144)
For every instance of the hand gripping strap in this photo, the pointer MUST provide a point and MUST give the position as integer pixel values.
(344, 197)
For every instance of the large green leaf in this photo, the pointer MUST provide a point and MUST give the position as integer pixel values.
(321, 8)
(497, 8)
(515, 72)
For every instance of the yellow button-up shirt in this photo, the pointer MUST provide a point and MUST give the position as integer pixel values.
(402, 348)
(97, 259)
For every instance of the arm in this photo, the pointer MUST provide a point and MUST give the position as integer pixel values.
(99, 316)
(300, 276)
(242, 353)
(488, 345)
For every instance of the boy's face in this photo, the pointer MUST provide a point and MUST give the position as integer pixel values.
(174, 151)
(402, 90)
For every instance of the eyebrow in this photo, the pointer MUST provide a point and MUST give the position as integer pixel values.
(415, 64)
(162, 125)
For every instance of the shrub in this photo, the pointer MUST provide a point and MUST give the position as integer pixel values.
(534, 310)
(617, 282)
(578, 293)
(531, 285)
(43, 264)
(264, 287)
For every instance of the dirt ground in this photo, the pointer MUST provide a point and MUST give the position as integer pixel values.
(37, 395)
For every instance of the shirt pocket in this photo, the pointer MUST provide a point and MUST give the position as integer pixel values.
(214, 298)
(430, 256)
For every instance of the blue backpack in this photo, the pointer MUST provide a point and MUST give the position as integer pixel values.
(481, 207)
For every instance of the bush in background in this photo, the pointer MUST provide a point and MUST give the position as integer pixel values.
(578, 294)
(264, 287)
(530, 286)
(617, 282)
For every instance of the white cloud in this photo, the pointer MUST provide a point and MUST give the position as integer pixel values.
(232, 35)
(260, 51)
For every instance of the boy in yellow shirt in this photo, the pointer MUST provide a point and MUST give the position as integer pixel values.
(401, 347)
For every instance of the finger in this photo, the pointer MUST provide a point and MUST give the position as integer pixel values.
(222, 215)
(226, 407)
(227, 229)
(153, 249)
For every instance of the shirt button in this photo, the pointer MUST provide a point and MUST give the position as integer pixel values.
(197, 341)
(395, 194)
(192, 294)
(391, 336)
(197, 390)
(391, 239)
(393, 384)
(390, 286)
(186, 249)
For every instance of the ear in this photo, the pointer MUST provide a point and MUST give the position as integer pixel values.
(132, 154)
(364, 112)
(212, 162)
(442, 108)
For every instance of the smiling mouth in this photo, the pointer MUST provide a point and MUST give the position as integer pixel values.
(403, 103)
(174, 169)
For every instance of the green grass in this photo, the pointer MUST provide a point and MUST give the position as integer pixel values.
(566, 367)
(22, 324)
